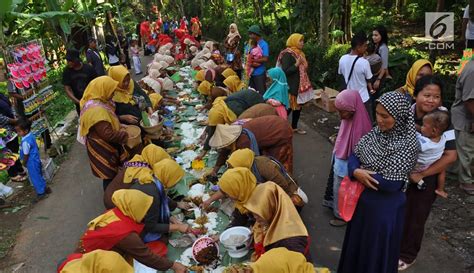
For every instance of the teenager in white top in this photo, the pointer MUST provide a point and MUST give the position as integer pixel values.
(361, 73)
(468, 29)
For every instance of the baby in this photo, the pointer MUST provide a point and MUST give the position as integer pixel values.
(432, 141)
(255, 53)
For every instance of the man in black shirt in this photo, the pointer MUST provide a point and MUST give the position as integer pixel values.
(76, 77)
(94, 58)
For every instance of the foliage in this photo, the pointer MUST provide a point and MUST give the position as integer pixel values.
(364, 19)
(61, 105)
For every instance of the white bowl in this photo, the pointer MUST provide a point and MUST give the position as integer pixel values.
(240, 250)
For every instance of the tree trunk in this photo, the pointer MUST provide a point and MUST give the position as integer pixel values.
(324, 22)
(290, 16)
(346, 21)
(399, 6)
(234, 6)
(440, 6)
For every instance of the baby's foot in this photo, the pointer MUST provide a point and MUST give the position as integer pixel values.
(441, 193)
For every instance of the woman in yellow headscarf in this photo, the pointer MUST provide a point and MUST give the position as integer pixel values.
(156, 101)
(280, 260)
(234, 84)
(293, 62)
(126, 108)
(281, 223)
(268, 169)
(204, 88)
(101, 129)
(119, 230)
(200, 76)
(419, 69)
(97, 261)
(237, 184)
(228, 72)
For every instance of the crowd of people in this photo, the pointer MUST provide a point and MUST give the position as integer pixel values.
(396, 145)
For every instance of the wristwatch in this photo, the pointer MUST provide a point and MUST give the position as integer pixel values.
(421, 185)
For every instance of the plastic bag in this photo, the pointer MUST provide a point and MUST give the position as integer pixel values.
(349, 193)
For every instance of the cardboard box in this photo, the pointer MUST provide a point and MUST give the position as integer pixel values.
(326, 102)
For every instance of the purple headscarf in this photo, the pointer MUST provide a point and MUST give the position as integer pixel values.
(353, 129)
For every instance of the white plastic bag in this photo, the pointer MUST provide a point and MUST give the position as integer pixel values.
(141, 268)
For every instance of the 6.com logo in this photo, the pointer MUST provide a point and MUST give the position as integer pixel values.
(439, 30)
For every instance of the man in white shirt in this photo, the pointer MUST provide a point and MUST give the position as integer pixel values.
(468, 29)
(361, 73)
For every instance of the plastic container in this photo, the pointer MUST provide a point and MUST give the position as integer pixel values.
(237, 250)
(134, 136)
(202, 243)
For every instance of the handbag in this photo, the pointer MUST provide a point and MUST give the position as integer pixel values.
(348, 196)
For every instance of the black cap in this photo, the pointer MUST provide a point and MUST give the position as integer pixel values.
(73, 55)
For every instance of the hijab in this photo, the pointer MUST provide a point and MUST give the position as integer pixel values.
(411, 75)
(282, 260)
(392, 154)
(168, 172)
(118, 73)
(353, 129)
(220, 113)
(98, 261)
(234, 84)
(293, 43)
(270, 202)
(100, 90)
(200, 75)
(231, 36)
(204, 88)
(279, 88)
(238, 184)
(228, 72)
(242, 158)
(155, 99)
(150, 155)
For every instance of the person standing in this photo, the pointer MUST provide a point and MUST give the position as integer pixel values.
(380, 40)
(124, 48)
(94, 58)
(463, 121)
(76, 77)
(112, 50)
(468, 28)
(382, 161)
(233, 56)
(356, 70)
(258, 77)
(293, 62)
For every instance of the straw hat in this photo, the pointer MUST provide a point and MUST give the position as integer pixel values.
(193, 49)
(164, 64)
(169, 59)
(197, 62)
(167, 84)
(225, 135)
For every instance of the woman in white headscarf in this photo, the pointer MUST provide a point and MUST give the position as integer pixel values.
(231, 44)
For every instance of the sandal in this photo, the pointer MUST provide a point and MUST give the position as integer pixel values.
(404, 266)
(19, 178)
(337, 223)
(300, 131)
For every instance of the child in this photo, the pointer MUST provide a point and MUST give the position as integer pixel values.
(375, 62)
(30, 155)
(215, 49)
(255, 53)
(137, 64)
(432, 142)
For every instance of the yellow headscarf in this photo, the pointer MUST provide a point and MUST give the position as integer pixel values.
(220, 113)
(200, 75)
(272, 203)
(228, 72)
(282, 260)
(118, 73)
(238, 184)
(204, 88)
(100, 89)
(234, 84)
(151, 154)
(132, 203)
(242, 158)
(411, 75)
(293, 42)
(155, 99)
(98, 261)
(168, 172)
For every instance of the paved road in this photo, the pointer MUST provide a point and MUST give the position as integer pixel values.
(54, 225)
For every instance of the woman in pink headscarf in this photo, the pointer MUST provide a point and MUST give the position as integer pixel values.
(355, 123)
